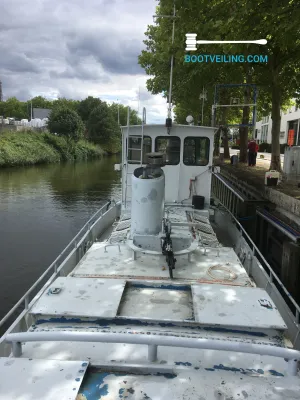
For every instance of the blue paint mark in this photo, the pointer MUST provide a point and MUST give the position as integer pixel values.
(241, 370)
(107, 323)
(77, 379)
(187, 364)
(84, 364)
(185, 288)
(121, 391)
(275, 373)
(217, 329)
(166, 375)
(93, 386)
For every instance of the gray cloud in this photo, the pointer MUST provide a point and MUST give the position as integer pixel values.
(72, 48)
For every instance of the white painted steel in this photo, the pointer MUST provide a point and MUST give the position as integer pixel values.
(147, 205)
(226, 305)
(24, 379)
(84, 297)
(208, 344)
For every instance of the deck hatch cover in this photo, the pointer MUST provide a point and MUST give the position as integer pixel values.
(81, 297)
(235, 306)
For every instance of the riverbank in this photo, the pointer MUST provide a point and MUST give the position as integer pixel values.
(30, 148)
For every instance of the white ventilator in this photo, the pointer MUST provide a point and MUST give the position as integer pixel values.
(191, 41)
(148, 201)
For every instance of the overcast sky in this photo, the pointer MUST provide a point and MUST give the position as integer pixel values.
(75, 49)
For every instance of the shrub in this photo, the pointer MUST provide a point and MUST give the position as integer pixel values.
(67, 123)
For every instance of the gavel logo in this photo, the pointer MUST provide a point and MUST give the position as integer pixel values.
(191, 41)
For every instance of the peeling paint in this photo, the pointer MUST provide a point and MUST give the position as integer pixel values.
(242, 370)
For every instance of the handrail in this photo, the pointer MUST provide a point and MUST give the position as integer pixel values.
(256, 250)
(293, 356)
(54, 264)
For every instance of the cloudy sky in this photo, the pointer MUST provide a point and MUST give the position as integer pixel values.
(75, 49)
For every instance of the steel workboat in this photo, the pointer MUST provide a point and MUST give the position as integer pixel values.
(162, 295)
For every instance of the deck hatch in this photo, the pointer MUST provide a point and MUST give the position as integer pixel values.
(235, 306)
(81, 297)
(157, 302)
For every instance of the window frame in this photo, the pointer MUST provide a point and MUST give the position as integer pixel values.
(166, 138)
(127, 152)
(207, 151)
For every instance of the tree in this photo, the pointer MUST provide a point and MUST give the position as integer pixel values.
(123, 113)
(13, 108)
(62, 102)
(277, 80)
(103, 128)
(67, 123)
(86, 106)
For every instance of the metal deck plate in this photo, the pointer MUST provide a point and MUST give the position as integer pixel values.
(186, 385)
(235, 306)
(27, 379)
(115, 264)
(84, 297)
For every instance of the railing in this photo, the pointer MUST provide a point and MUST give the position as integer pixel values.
(53, 268)
(153, 341)
(272, 274)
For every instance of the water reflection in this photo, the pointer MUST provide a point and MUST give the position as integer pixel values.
(41, 209)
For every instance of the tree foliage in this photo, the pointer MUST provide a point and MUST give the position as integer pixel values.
(86, 106)
(278, 79)
(103, 128)
(66, 122)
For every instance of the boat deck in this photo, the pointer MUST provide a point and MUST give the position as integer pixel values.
(211, 297)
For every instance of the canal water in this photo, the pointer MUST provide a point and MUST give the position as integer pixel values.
(41, 210)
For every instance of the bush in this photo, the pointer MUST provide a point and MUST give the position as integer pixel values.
(67, 123)
(29, 148)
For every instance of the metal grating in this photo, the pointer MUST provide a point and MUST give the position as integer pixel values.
(123, 225)
(205, 228)
(199, 218)
(117, 237)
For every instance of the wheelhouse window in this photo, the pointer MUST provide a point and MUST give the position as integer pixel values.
(134, 149)
(196, 151)
(170, 146)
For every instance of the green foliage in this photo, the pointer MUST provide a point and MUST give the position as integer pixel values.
(28, 148)
(103, 128)
(67, 123)
(123, 112)
(277, 79)
(86, 106)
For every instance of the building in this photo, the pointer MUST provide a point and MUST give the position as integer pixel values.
(40, 113)
(289, 127)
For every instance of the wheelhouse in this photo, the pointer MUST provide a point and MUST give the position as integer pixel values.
(188, 159)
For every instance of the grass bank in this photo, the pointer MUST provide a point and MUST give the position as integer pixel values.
(29, 148)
